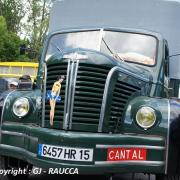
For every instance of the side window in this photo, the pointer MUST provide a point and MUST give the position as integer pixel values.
(166, 57)
(166, 70)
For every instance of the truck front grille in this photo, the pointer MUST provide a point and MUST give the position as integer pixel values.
(87, 98)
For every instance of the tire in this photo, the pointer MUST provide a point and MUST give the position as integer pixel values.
(167, 177)
(4, 166)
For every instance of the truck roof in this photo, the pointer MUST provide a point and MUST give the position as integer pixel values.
(161, 16)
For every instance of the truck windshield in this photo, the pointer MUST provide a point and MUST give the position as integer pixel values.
(131, 47)
(62, 42)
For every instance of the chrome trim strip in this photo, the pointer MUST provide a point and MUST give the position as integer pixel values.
(148, 163)
(168, 133)
(65, 119)
(105, 95)
(3, 112)
(72, 94)
(30, 153)
(143, 136)
(130, 146)
(19, 149)
(44, 96)
(20, 134)
(12, 133)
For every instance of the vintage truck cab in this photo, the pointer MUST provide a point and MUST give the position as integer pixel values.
(106, 97)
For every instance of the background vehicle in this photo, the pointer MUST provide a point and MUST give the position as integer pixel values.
(116, 112)
(11, 72)
(17, 69)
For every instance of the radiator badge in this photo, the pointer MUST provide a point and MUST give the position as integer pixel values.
(54, 96)
(75, 56)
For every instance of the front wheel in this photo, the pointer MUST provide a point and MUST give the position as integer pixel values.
(167, 177)
(14, 169)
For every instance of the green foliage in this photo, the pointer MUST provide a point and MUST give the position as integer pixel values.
(3, 29)
(38, 22)
(9, 43)
(11, 46)
(34, 28)
(13, 11)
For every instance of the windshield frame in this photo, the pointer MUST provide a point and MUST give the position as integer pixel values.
(112, 29)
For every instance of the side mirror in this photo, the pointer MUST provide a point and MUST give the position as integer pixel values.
(175, 88)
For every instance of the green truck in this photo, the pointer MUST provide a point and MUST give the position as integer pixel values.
(106, 99)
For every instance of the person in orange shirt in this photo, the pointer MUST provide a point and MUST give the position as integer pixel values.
(54, 96)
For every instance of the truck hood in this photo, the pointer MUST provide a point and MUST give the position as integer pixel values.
(98, 58)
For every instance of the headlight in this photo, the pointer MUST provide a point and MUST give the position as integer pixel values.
(146, 117)
(21, 107)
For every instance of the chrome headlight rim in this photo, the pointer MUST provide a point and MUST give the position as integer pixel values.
(28, 107)
(154, 114)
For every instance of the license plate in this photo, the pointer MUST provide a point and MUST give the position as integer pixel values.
(65, 153)
(126, 154)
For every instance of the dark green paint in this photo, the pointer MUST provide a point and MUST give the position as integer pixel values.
(76, 139)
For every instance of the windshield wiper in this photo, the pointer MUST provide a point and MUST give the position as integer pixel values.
(56, 47)
(174, 55)
(115, 55)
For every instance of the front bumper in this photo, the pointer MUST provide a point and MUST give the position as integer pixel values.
(21, 141)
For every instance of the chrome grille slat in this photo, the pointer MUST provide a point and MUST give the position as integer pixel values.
(85, 114)
(88, 94)
(91, 79)
(80, 98)
(92, 74)
(87, 109)
(88, 104)
(126, 87)
(93, 69)
(87, 88)
(90, 84)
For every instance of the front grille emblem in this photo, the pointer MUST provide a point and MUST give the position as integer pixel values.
(75, 56)
(53, 96)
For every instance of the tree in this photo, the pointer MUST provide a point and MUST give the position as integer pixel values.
(34, 25)
(13, 11)
(37, 24)
(3, 29)
(9, 43)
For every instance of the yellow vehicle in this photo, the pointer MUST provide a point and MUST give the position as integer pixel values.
(17, 69)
